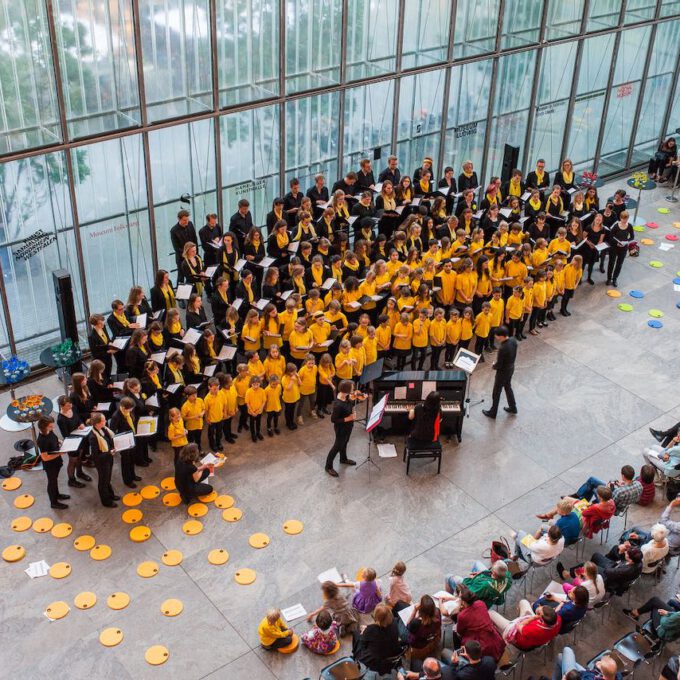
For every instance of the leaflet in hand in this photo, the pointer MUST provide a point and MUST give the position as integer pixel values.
(173, 388)
(158, 357)
(124, 441)
(184, 291)
(70, 444)
(210, 459)
(210, 271)
(147, 426)
(330, 575)
(103, 406)
(152, 401)
(405, 614)
(82, 433)
(141, 320)
(192, 336)
(209, 371)
(227, 353)
(120, 343)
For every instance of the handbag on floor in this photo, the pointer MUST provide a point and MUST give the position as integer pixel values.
(500, 550)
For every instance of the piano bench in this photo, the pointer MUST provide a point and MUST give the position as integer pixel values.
(434, 452)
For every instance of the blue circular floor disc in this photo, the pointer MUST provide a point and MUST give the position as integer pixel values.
(654, 323)
(636, 294)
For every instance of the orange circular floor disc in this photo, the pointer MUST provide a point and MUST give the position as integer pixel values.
(172, 500)
(11, 483)
(24, 501)
(192, 527)
(132, 516)
(132, 499)
(150, 492)
(21, 523)
(118, 601)
(232, 514)
(224, 502)
(57, 610)
(293, 526)
(110, 637)
(84, 543)
(140, 533)
(197, 509)
(156, 655)
(62, 530)
(218, 556)
(208, 497)
(100, 552)
(147, 569)
(172, 607)
(259, 541)
(13, 553)
(172, 558)
(60, 570)
(245, 577)
(43, 525)
(85, 600)
(168, 484)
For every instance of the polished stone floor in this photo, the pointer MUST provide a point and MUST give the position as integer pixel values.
(588, 388)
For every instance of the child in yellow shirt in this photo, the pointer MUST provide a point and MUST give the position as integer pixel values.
(370, 344)
(290, 382)
(273, 631)
(214, 414)
(230, 402)
(383, 335)
(344, 361)
(255, 365)
(528, 303)
(421, 336)
(255, 402)
(453, 328)
(482, 329)
(193, 410)
(437, 335)
(539, 302)
(176, 432)
(273, 405)
(241, 384)
(358, 353)
(466, 327)
(307, 373)
(513, 311)
(326, 388)
(572, 277)
(403, 339)
(497, 313)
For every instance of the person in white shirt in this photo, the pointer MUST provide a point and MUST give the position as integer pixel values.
(587, 576)
(672, 525)
(541, 547)
(656, 549)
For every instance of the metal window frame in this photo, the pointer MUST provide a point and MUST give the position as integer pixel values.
(67, 144)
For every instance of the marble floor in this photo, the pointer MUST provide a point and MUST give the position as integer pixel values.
(588, 388)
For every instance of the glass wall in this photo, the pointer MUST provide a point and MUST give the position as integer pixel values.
(240, 96)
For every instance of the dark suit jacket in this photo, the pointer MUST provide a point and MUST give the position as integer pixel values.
(505, 359)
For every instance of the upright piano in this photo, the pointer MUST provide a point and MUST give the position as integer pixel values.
(405, 389)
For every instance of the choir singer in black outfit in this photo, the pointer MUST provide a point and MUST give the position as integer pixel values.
(504, 367)
(342, 417)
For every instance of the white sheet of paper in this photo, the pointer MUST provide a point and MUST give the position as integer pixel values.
(239, 265)
(227, 353)
(297, 611)
(37, 569)
(192, 336)
(70, 444)
(141, 320)
(152, 401)
(261, 304)
(405, 614)
(210, 271)
(209, 371)
(173, 388)
(330, 575)
(441, 594)
(293, 246)
(119, 385)
(209, 459)
(400, 392)
(236, 304)
(147, 426)
(327, 284)
(601, 246)
(123, 441)
(666, 246)
(387, 451)
(171, 353)
(554, 587)
(183, 291)
(525, 196)
(266, 262)
(120, 343)
(427, 387)
(676, 287)
(158, 357)
(82, 433)
(103, 406)
(416, 201)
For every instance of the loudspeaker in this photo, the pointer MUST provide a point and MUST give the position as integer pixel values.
(63, 293)
(510, 161)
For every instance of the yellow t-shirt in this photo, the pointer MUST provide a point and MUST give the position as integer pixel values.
(370, 349)
(359, 355)
(241, 386)
(343, 365)
(255, 366)
(437, 332)
(465, 329)
(528, 299)
(421, 330)
(514, 307)
(176, 433)
(497, 310)
(447, 294)
(466, 283)
(538, 257)
(326, 375)
(559, 278)
(214, 407)
(405, 330)
(230, 401)
(287, 322)
(273, 394)
(540, 294)
(304, 339)
(556, 244)
(383, 336)
(254, 332)
(190, 412)
(572, 276)
(453, 331)
(320, 333)
(483, 324)
(517, 270)
(255, 400)
(291, 389)
(274, 367)
(308, 379)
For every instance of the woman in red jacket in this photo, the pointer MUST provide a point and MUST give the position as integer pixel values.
(474, 623)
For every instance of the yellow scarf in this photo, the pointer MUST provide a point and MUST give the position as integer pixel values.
(536, 205)
(177, 375)
(337, 272)
(211, 348)
(468, 174)
(300, 285)
(279, 213)
(515, 188)
(175, 327)
(169, 296)
(102, 334)
(539, 176)
(142, 349)
(559, 202)
(568, 177)
(282, 240)
(308, 233)
(341, 210)
(424, 186)
(317, 274)
(135, 310)
(103, 444)
(155, 380)
(156, 338)
(195, 364)
(349, 265)
(589, 203)
(199, 285)
(122, 319)
(128, 419)
(389, 203)
(329, 229)
(492, 200)
(249, 292)
(407, 194)
(225, 257)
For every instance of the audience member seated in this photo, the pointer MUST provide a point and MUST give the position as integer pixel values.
(273, 632)
(652, 543)
(399, 591)
(342, 612)
(322, 638)
(567, 668)
(594, 516)
(378, 643)
(673, 527)
(189, 475)
(568, 522)
(671, 671)
(530, 629)
(470, 663)
(474, 624)
(540, 548)
(432, 670)
(617, 574)
(665, 459)
(423, 629)
(427, 421)
(646, 479)
(487, 585)
(571, 610)
(625, 491)
(586, 576)
(665, 437)
(664, 618)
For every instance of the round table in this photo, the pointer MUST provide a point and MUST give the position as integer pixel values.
(47, 358)
(31, 417)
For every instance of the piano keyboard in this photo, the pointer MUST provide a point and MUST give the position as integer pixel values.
(406, 406)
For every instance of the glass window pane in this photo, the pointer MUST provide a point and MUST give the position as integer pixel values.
(182, 162)
(176, 51)
(511, 107)
(466, 117)
(426, 32)
(665, 52)
(248, 49)
(36, 239)
(250, 160)
(585, 127)
(476, 27)
(674, 118)
(97, 56)
(670, 8)
(603, 14)
(371, 38)
(420, 119)
(28, 106)
(368, 122)
(564, 19)
(521, 23)
(114, 222)
(595, 61)
(313, 36)
(639, 10)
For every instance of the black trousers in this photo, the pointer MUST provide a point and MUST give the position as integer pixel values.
(178, 263)
(434, 358)
(503, 381)
(226, 428)
(418, 355)
(52, 472)
(289, 411)
(342, 435)
(215, 435)
(141, 451)
(242, 417)
(104, 464)
(194, 437)
(273, 420)
(616, 258)
(255, 426)
(566, 297)
(127, 465)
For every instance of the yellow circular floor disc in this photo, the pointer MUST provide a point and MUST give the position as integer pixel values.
(647, 242)
(209, 497)
(140, 534)
(11, 483)
(13, 553)
(168, 484)
(224, 502)
(132, 516)
(232, 515)
(218, 556)
(172, 499)
(62, 530)
(156, 655)
(21, 523)
(172, 607)
(60, 570)
(197, 509)
(84, 542)
(132, 499)
(147, 569)
(614, 293)
(100, 552)
(150, 492)
(43, 525)
(192, 527)
(57, 610)
(118, 601)
(259, 541)
(293, 526)
(245, 577)
(24, 501)
(85, 600)
(172, 558)
(110, 637)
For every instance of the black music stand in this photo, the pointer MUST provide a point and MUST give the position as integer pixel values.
(368, 375)
(467, 361)
(372, 421)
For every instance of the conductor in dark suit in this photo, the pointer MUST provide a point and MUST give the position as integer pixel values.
(504, 367)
